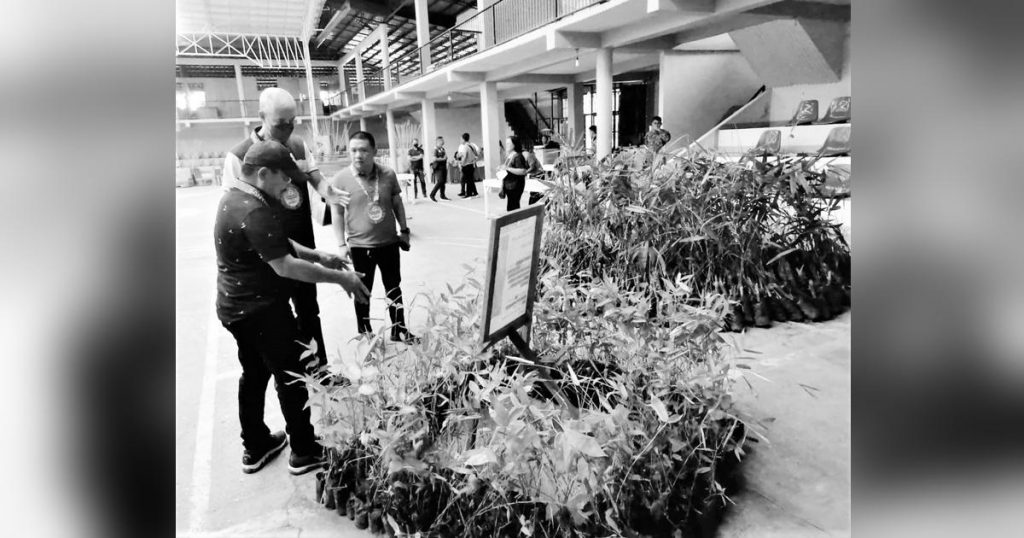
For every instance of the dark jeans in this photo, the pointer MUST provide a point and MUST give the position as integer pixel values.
(307, 313)
(440, 178)
(267, 346)
(469, 180)
(515, 194)
(418, 181)
(388, 259)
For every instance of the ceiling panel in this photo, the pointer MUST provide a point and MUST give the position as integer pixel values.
(251, 17)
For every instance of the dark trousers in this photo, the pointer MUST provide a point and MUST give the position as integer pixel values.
(307, 314)
(418, 181)
(514, 195)
(388, 259)
(440, 178)
(468, 180)
(267, 346)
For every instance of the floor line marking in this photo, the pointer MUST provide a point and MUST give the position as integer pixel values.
(201, 460)
(477, 211)
(465, 245)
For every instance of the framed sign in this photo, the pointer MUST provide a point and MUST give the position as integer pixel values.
(510, 286)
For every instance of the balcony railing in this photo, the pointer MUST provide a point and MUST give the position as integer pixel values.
(500, 22)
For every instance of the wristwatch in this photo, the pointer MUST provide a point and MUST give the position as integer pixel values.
(404, 230)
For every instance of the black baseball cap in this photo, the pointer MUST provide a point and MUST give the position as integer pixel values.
(272, 154)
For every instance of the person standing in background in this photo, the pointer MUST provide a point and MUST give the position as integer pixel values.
(535, 170)
(439, 169)
(656, 137)
(467, 155)
(416, 166)
(516, 168)
(366, 231)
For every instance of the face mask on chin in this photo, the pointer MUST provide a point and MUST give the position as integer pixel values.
(291, 198)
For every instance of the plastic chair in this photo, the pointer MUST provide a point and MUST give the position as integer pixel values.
(806, 113)
(831, 183)
(837, 143)
(838, 111)
(768, 145)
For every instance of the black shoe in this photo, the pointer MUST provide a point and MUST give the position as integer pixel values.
(462, 196)
(334, 380)
(432, 199)
(302, 464)
(254, 460)
(445, 198)
(406, 337)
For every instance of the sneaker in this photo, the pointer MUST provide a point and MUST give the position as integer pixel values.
(302, 464)
(254, 460)
(334, 380)
(406, 337)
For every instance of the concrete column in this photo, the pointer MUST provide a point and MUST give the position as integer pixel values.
(360, 81)
(428, 130)
(603, 102)
(392, 137)
(491, 130)
(343, 84)
(241, 90)
(574, 112)
(313, 88)
(423, 34)
(385, 57)
(486, 37)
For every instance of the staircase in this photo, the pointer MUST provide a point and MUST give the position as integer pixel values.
(525, 119)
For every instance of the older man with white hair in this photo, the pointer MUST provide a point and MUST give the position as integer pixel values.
(277, 110)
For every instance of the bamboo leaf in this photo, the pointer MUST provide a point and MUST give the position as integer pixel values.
(480, 456)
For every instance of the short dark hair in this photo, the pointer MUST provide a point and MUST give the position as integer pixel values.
(465, 137)
(439, 137)
(363, 135)
(593, 128)
(656, 119)
(517, 146)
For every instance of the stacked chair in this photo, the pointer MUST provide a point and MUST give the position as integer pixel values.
(805, 170)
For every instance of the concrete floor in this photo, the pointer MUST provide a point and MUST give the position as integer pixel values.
(799, 485)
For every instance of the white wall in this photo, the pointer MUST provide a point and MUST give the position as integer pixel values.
(786, 98)
(220, 137)
(696, 89)
(209, 137)
(226, 89)
(453, 121)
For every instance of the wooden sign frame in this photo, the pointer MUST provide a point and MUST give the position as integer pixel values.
(489, 334)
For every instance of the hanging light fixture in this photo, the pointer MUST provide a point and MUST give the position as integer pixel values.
(577, 57)
(449, 97)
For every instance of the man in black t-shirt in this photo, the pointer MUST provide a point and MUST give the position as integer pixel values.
(256, 263)
(440, 169)
(277, 110)
(416, 166)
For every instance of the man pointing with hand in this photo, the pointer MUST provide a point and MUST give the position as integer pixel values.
(277, 110)
(256, 266)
